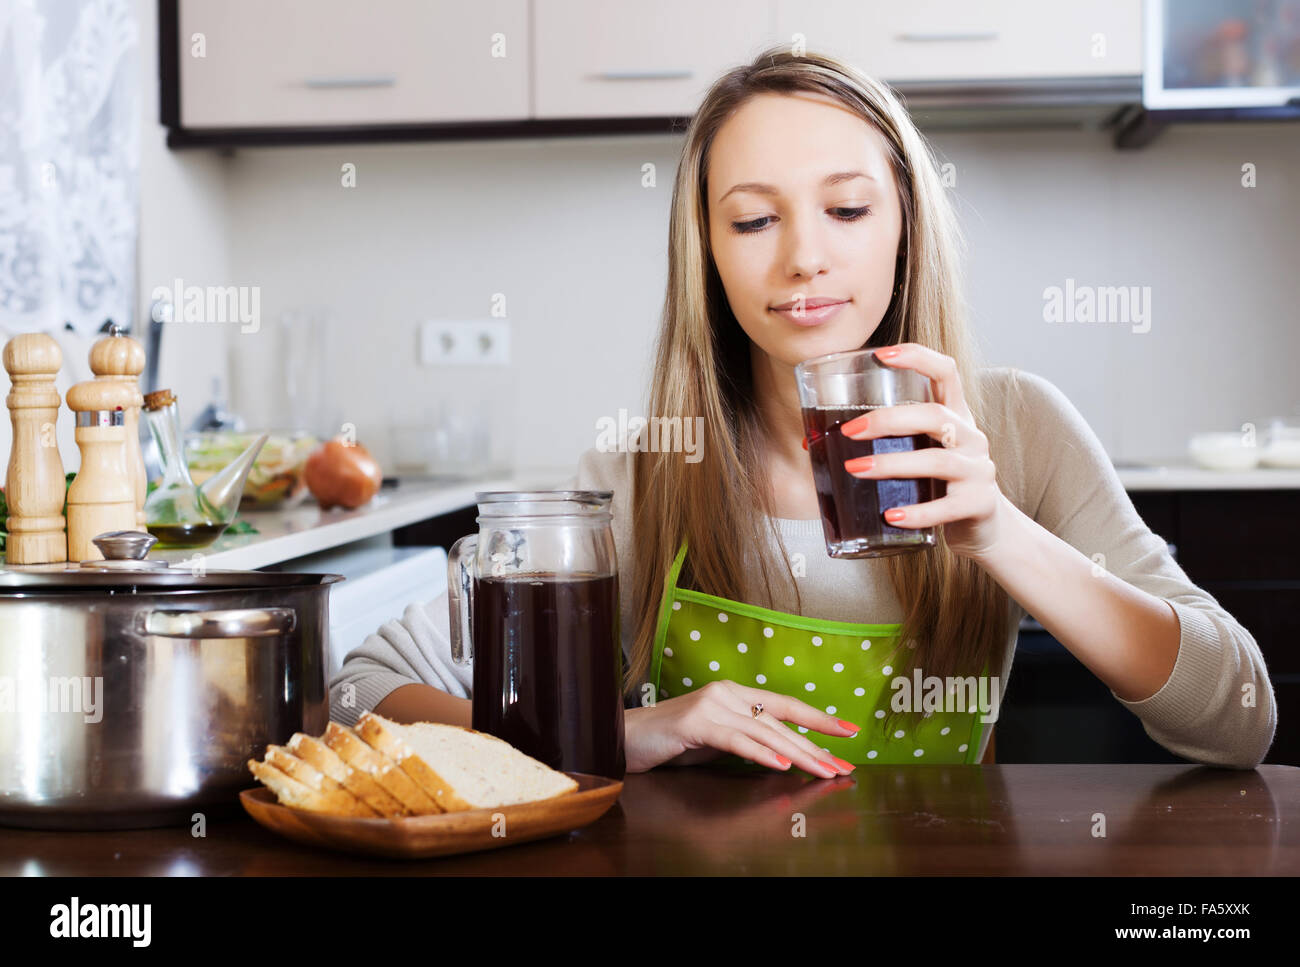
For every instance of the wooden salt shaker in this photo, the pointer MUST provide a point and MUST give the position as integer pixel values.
(102, 496)
(34, 483)
(119, 358)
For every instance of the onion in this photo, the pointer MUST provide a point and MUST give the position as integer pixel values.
(344, 474)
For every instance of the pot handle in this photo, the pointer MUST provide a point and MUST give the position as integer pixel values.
(240, 623)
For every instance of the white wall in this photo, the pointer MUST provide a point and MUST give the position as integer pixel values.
(183, 234)
(1220, 260)
(565, 230)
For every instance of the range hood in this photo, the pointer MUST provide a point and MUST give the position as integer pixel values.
(1089, 102)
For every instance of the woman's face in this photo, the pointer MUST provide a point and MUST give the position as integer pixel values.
(789, 232)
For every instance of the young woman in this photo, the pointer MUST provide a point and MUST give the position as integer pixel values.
(801, 178)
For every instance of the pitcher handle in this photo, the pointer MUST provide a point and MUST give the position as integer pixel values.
(460, 597)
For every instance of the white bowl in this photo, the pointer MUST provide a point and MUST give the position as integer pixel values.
(1222, 451)
(1281, 453)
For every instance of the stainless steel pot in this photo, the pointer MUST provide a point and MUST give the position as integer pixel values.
(133, 694)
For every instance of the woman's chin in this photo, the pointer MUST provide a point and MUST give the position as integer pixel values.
(822, 343)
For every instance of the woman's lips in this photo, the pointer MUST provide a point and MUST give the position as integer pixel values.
(810, 317)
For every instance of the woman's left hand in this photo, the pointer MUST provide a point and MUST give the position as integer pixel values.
(973, 510)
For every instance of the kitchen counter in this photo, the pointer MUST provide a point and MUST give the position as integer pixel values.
(1173, 476)
(1036, 820)
(283, 535)
(307, 530)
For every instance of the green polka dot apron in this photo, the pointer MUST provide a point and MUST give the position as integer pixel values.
(844, 668)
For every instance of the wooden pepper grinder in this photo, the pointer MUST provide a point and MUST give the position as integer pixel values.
(119, 358)
(102, 496)
(34, 483)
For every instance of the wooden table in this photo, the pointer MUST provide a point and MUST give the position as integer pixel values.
(998, 820)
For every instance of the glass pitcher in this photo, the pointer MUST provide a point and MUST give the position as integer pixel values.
(534, 605)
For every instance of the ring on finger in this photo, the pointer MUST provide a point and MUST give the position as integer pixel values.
(756, 710)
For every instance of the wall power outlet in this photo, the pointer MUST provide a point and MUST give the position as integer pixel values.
(444, 343)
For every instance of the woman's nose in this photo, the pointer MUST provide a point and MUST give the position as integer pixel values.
(804, 248)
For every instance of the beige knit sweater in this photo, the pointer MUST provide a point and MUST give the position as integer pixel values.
(1052, 466)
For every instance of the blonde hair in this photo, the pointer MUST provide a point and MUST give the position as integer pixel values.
(954, 611)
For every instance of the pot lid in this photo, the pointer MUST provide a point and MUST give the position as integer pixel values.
(126, 569)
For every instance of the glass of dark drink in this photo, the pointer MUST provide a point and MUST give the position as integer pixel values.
(833, 390)
(535, 607)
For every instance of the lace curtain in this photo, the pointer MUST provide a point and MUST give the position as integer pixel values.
(69, 163)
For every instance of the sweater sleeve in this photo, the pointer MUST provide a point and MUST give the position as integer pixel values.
(1217, 706)
(411, 649)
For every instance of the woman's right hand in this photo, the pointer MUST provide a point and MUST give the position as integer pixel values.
(719, 716)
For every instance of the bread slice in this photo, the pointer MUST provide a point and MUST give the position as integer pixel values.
(381, 768)
(316, 753)
(313, 778)
(291, 792)
(461, 768)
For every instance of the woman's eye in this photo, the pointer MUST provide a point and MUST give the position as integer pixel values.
(852, 214)
(758, 224)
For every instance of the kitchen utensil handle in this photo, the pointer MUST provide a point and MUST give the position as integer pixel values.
(947, 36)
(460, 597)
(645, 75)
(363, 80)
(240, 623)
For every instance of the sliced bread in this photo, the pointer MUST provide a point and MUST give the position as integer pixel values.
(360, 784)
(381, 768)
(461, 768)
(294, 767)
(291, 792)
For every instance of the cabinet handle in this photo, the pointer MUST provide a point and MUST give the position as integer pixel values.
(371, 80)
(946, 37)
(660, 75)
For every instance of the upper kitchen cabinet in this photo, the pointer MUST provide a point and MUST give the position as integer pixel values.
(957, 40)
(604, 60)
(293, 71)
(339, 64)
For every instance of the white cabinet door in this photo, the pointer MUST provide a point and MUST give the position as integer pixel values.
(295, 63)
(632, 59)
(922, 40)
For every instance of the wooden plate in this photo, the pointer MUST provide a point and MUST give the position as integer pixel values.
(440, 834)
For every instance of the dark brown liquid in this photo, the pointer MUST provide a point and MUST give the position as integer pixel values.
(186, 535)
(853, 508)
(548, 669)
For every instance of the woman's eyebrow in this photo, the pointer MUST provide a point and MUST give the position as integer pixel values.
(762, 189)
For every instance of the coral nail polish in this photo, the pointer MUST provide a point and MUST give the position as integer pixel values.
(855, 425)
(889, 352)
(783, 760)
(858, 464)
(894, 514)
(842, 764)
(849, 725)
